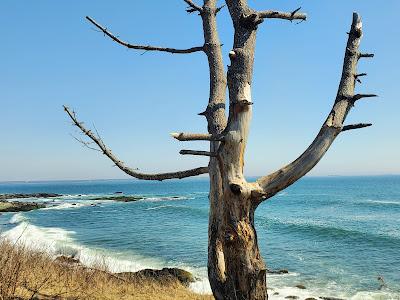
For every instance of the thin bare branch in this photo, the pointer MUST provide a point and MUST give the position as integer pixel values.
(193, 6)
(357, 77)
(130, 171)
(333, 125)
(361, 74)
(197, 152)
(273, 14)
(85, 144)
(365, 55)
(143, 47)
(356, 126)
(218, 9)
(360, 96)
(181, 136)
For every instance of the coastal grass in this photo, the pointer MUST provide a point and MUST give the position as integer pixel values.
(33, 274)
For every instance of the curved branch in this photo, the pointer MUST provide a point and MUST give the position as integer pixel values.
(132, 172)
(333, 125)
(143, 47)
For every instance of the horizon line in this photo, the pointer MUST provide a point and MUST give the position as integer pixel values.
(198, 177)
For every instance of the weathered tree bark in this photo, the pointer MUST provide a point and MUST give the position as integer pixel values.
(236, 269)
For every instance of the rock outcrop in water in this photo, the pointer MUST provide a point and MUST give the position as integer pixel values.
(34, 195)
(120, 198)
(277, 272)
(16, 206)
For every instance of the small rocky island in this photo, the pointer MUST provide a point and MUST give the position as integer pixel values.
(16, 206)
(25, 196)
(120, 198)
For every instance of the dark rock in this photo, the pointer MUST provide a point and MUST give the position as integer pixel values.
(118, 193)
(276, 293)
(16, 206)
(183, 276)
(73, 204)
(277, 272)
(300, 286)
(310, 298)
(291, 297)
(40, 296)
(68, 260)
(120, 198)
(34, 195)
(330, 298)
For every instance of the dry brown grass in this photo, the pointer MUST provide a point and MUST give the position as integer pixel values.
(29, 274)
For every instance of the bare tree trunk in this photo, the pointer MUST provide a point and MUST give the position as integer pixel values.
(236, 269)
(236, 257)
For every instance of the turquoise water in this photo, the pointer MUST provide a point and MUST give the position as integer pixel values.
(335, 235)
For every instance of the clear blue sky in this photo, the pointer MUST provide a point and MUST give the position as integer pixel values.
(51, 56)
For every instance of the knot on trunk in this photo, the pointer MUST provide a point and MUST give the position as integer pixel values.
(250, 21)
(236, 189)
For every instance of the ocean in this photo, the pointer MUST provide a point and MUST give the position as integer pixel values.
(335, 235)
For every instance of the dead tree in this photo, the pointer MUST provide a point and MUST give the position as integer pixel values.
(236, 269)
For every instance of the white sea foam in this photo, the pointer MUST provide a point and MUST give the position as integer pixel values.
(201, 286)
(57, 241)
(382, 202)
(17, 218)
(379, 295)
(159, 207)
(166, 198)
(49, 239)
(67, 205)
(283, 292)
(78, 196)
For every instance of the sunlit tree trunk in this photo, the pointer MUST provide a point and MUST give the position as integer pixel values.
(236, 269)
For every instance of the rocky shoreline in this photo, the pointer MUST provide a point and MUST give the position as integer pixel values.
(162, 275)
(18, 206)
(25, 196)
(182, 276)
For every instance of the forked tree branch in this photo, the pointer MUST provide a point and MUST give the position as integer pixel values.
(273, 14)
(132, 172)
(252, 20)
(143, 47)
(333, 125)
(193, 6)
